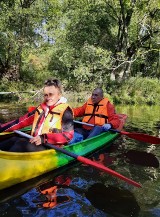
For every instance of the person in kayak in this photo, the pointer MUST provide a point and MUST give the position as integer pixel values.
(52, 122)
(98, 111)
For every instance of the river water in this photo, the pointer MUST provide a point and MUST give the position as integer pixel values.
(80, 190)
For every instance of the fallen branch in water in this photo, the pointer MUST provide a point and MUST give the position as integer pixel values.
(16, 92)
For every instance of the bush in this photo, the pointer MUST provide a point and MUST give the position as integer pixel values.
(138, 90)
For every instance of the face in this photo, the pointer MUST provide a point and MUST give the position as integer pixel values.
(96, 96)
(51, 95)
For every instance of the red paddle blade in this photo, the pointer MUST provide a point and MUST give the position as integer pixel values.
(106, 169)
(31, 108)
(142, 137)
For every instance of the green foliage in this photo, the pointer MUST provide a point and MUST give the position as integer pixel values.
(13, 86)
(14, 90)
(35, 69)
(92, 66)
(83, 43)
(91, 22)
(138, 90)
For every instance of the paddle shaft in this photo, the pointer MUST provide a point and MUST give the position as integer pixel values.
(85, 161)
(137, 136)
(135, 157)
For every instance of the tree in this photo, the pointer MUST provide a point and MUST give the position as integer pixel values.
(23, 30)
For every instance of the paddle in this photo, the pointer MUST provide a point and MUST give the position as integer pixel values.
(138, 136)
(85, 161)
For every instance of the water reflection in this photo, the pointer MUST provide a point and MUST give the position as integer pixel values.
(61, 192)
(142, 118)
(90, 192)
(10, 112)
(113, 200)
(49, 191)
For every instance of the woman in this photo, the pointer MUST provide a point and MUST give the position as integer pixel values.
(52, 122)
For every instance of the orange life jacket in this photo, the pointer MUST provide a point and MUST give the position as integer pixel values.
(99, 112)
(52, 121)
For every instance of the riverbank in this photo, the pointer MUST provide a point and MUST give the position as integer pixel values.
(135, 91)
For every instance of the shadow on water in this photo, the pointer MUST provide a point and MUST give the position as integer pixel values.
(113, 200)
(90, 192)
(50, 194)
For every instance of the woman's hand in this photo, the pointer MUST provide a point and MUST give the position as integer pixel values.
(36, 140)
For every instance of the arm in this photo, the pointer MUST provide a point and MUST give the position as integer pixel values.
(113, 118)
(19, 123)
(79, 111)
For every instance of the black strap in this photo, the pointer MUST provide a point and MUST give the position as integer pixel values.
(37, 110)
(56, 113)
(98, 115)
(37, 124)
(55, 130)
(53, 113)
(66, 137)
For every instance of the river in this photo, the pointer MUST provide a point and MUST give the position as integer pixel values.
(80, 190)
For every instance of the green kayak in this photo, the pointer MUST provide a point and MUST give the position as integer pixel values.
(19, 167)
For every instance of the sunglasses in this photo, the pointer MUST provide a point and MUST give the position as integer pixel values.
(54, 82)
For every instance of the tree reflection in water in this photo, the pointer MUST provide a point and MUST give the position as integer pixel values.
(103, 198)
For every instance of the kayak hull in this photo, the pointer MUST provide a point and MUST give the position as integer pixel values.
(19, 167)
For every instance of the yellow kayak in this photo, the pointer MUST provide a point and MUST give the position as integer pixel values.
(16, 167)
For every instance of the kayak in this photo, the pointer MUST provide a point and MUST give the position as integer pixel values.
(18, 167)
